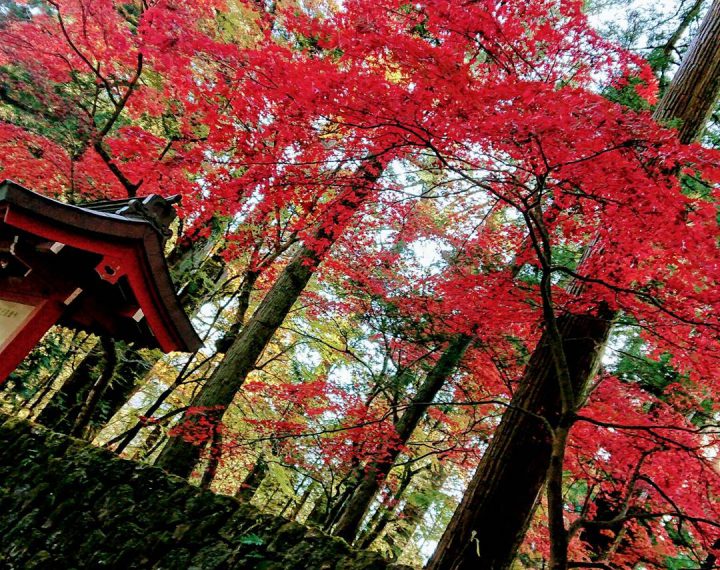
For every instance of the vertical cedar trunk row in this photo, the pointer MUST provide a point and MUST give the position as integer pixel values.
(382, 515)
(354, 510)
(336, 506)
(132, 368)
(502, 495)
(319, 510)
(295, 512)
(410, 517)
(90, 405)
(693, 91)
(499, 503)
(60, 412)
(179, 456)
(247, 489)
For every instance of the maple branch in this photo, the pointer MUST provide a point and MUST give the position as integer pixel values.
(610, 523)
(678, 513)
(130, 187)
(380, 419)
(642, 295)
(646, 427)
(78, 52)
(630, 487)
(630, 143)
(119, 106)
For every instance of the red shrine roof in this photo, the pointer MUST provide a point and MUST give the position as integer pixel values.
(109, 255)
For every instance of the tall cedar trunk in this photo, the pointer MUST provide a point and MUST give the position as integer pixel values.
(131, 369)
(293, 515)
(500, 500)
(61, 411)
(180, 456)
(213, 460)
(92, 401)
(691, 96)
(672, 42)
(501, 497)
(252, 480)
(354, 510)
(411, 516)
(246, 290)
(319, 510)
(382, 515)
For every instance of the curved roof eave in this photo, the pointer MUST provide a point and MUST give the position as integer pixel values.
(116, 228)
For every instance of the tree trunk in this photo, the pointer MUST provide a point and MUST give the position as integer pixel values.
(295, 512)
(692, 94)
(497, 506)
(60, 412)
(213, 460)
(179, 456)
(671, 44)
(411, 515)
(383, 516)
(354, 510)
(252, 480)
(90, 405)
(319, 510)
(246, 290)
(499, 503)
(132, 367)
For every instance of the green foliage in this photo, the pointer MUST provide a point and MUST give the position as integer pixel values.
(627, 95)
(251, 539)
(42, 362)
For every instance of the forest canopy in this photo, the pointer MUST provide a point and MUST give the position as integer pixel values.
(455, 264)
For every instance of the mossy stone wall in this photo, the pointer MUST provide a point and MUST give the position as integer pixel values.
(66, 504)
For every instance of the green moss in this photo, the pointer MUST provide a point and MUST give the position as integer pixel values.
(66, 504)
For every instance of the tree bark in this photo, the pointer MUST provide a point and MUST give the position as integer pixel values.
(299, 504)
(490, 523)
(411, 515)
(90, 405)
(671, 44)
(693, 92)
(60, 412)
(179, 456)
(382, 515)
(497, 506)
(252, 480)
(131, 369)
(319, 510)
(354, 510)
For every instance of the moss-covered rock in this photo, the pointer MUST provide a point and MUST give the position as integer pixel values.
(66, 504)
